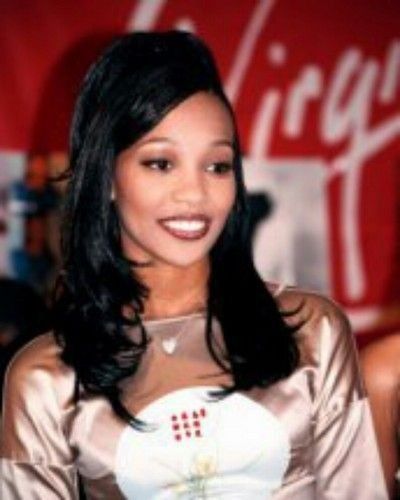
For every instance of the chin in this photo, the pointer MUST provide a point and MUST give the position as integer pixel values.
(183, 262)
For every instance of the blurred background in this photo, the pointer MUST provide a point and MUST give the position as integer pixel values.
(316, 88)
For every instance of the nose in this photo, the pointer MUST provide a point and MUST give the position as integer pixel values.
(190, 187)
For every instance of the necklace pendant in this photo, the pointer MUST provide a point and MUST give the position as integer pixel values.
(169, 345)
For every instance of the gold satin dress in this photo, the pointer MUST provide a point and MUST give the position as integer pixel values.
(307, 437)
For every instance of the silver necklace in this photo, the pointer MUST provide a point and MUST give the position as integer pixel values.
(170, 344)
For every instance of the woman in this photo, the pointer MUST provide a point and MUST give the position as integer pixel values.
(380, 363)
(176, 372)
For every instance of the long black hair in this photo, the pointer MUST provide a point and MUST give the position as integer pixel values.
(134, 84)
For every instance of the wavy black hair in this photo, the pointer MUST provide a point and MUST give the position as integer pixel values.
(134, 84)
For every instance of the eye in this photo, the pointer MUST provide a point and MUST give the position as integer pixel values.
(161, 164)
(220, 167)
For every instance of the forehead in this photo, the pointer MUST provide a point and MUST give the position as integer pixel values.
(202, 115)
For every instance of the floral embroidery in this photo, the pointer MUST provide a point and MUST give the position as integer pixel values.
(203, 467)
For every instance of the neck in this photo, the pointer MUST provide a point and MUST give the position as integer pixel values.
(175, 291)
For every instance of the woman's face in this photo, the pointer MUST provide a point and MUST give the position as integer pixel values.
(175, 187)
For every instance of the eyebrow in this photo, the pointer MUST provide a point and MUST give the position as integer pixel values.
(152, 140)
(223, 142)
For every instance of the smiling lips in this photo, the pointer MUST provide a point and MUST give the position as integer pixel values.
(191, 227)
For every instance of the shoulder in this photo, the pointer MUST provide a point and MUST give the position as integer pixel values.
(328, 354)
(309, 308)
(380, 361)
(37, 397)
(38, 368)
(323, 327)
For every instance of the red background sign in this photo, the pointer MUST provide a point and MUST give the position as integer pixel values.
(316, 85)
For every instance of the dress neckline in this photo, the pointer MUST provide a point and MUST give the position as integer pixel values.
(173, 319)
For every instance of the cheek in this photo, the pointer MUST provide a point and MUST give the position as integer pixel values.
(135, 199)
(225, 198)
(135, 212)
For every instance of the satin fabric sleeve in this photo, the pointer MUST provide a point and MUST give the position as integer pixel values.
(346, 461)
(36, 460)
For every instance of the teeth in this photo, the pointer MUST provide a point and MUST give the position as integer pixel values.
(185, 225)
